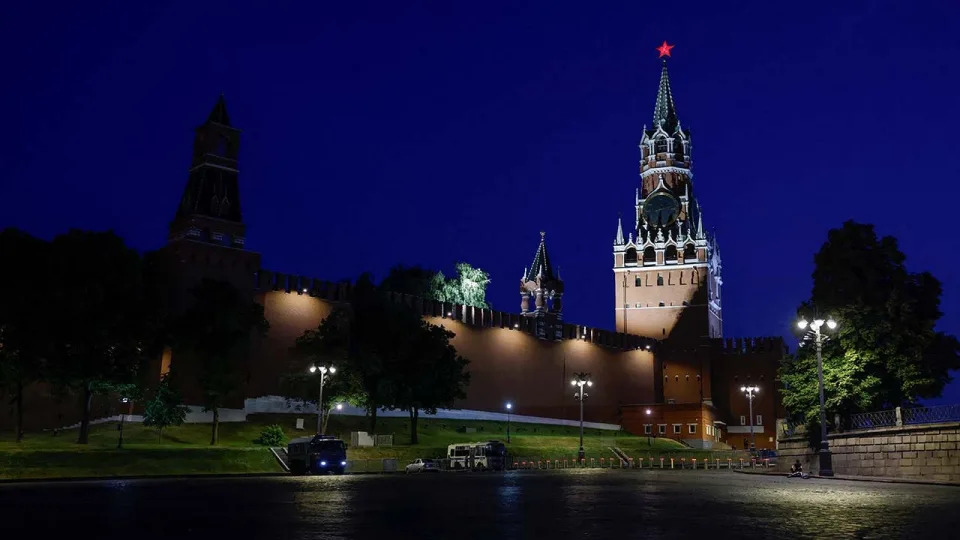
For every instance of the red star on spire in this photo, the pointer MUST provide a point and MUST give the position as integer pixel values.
(665, 49)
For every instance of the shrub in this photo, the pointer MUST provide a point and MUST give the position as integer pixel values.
(272, 436)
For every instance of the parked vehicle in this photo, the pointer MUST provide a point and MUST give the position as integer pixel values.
(477, 456)
(423, 465)
(321, 454)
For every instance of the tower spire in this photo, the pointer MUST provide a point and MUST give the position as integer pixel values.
(219, 113)
(619, 240)
(665, 113)
(541, 261)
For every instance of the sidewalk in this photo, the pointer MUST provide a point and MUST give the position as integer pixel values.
(852, 478)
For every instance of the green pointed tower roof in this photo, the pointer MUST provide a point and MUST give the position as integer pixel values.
(219, 113)
(665, 112)
(541, 262)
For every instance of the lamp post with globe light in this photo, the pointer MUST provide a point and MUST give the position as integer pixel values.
(509, 407)
(323, 379)
(813, 330)
(751, 391)
(580, 380)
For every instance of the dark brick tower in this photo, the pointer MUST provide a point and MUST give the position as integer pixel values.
(207, 232)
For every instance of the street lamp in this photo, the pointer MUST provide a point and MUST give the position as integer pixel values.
(826, 459)
(323, 379)
(509, 408)
(580, 380)
(122, 416)
(649, 412)
(750, 391)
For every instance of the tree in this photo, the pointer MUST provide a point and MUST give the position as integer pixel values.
(359, 339)
(165, 408)
(886, 351)
(301, 385)
(216, 328)
(98, 315)
(468, 287)
(429, 375)
(24, 315)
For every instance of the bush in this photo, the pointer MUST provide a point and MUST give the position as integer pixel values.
(272, 436)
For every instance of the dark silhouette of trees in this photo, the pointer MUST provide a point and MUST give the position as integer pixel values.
(216, 329)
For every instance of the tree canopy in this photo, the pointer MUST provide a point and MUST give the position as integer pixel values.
(468, 286)
(165, 408)
(886, 350)
(216, 328)
(24, 314)
(98, 317)
(386, 355)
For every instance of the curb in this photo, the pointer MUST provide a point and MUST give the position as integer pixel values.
(882, 480)
(140, 477)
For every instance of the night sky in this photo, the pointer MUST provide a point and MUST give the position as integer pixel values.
(377, 134)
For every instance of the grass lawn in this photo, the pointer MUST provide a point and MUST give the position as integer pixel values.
(186, 450)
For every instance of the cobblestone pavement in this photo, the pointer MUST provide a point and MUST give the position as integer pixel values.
(530, 504)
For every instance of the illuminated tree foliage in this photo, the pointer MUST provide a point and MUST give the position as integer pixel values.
(886, 351)
(468, 287)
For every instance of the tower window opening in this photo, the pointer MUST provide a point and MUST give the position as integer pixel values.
(689, 253)
(630, 257)
(649, 256)
(660, 282)
(638, 282)
(670, 255)
(661, 304)
(661, 145)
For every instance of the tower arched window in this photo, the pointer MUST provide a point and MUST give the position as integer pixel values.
(670, 255)
(214, 206)
(660, 283)
(630, 257)
(661, 145)
(649, 255)
(679, 149)
(689, 253)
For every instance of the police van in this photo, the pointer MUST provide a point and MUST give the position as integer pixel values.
(321, 454)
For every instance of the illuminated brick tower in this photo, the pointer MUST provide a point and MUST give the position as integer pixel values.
(666, 270)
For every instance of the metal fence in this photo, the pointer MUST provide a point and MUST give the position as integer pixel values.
(932, 415)
(902, 417)
(873, 419)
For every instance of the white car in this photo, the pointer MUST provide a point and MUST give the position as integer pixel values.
(423, 465)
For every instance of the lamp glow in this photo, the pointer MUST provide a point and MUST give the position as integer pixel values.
(313, 369)
(802, 323)
(831, 324)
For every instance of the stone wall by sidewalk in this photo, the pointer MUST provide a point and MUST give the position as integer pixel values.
(927, 452)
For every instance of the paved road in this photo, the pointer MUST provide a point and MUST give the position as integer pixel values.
(529, 504)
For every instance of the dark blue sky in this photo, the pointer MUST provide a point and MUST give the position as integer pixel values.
(376, 134)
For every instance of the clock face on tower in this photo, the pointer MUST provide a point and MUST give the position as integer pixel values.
(660, 210)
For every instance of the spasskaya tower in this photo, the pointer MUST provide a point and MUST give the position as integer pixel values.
(667, 269)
